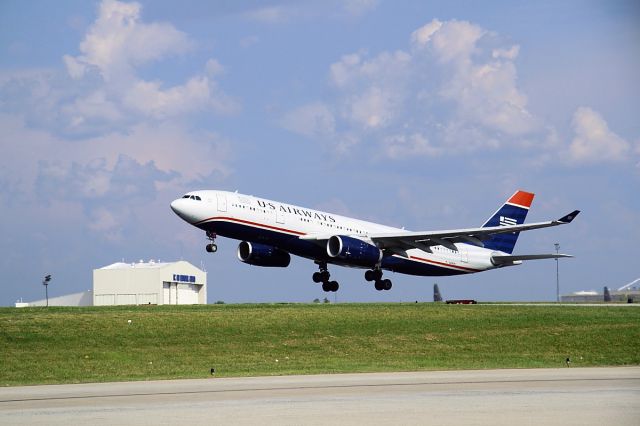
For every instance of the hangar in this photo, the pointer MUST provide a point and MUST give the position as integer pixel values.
(149, 283)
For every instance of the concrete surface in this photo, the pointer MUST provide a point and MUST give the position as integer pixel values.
(570, 396)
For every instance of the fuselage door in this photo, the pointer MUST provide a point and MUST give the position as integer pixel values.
(222, 202)
(464, 254)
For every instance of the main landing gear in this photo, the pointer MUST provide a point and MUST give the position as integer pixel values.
(376, 275)
(323, 277)
(211, 247)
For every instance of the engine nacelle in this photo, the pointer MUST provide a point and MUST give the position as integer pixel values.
(353, 250)
(262, 255)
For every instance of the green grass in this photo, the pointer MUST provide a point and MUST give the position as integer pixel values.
(73, 345)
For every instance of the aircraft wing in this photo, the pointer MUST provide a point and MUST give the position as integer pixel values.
(398, 242)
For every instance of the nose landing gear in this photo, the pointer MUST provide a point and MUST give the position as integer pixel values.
(211, 247)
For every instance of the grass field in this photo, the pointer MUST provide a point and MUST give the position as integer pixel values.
(73, 345)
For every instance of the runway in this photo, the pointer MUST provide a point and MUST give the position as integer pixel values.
(580, 396)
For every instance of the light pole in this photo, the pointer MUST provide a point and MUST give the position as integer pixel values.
(45, 283)
(557, 274)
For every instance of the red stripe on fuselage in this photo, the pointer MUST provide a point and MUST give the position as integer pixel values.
(462, 268)
(247, 222)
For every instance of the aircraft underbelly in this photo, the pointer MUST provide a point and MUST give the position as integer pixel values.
(414, 267)
(313, 250)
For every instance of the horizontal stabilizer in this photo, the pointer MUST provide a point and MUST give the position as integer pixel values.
(506, 260)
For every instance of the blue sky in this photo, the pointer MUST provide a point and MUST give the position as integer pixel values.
(420, 114)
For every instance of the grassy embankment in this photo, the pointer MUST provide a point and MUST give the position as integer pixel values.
(70, 345)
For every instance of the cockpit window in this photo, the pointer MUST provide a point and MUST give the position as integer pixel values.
(198, 198)
(185, 196)
(193, 197)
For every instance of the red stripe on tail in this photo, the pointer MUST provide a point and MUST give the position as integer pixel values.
(522, 198)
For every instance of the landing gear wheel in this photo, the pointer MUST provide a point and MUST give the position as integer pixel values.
(379, 286)
(386, 284)
(321, 277)
(369, 275)
(330, 286)
(211, 247)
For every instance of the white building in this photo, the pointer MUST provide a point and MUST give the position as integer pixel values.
(155, 283)
(76, 299)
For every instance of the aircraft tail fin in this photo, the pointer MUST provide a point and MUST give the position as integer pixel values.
(437, 297)
(607, 294)
(513, 212)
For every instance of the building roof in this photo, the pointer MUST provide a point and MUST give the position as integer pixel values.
(585, 293)
(139, 265)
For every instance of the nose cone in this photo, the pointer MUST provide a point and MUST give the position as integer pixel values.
(180, 207)
(175, 206)
(192, 209)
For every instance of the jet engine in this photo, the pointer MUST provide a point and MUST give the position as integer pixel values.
(262, 255)
(353, 251)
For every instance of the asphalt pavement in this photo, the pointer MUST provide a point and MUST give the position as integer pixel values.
(570, 396)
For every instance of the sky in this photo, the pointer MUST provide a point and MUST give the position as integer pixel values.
(422, 114)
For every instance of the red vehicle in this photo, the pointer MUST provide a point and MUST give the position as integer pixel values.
(461, 302)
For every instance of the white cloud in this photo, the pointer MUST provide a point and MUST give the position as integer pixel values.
(343, 71)
(118, 41)
(456, 84)
(269, 15)
(374, 108)
(594, 142)
(107, 184)
(408, 146)
(147, 97)
(75, 68)
(214, 67)
(487, 94)
(310, 120)
(484, 91)
(93, 106)
(511, 53)
(453, 40)
(373, 89)
(114, 47)
(104, 221)
(174, 150)
(422, 35)
(352, 72)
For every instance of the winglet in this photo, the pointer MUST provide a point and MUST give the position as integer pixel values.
(568, 218)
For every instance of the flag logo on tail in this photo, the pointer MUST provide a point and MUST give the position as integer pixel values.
(507, 221)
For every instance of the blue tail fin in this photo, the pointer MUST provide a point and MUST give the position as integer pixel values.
(513, 212)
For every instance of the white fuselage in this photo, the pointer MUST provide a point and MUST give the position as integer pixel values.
(289, 227)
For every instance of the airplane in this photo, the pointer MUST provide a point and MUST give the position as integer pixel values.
(270, 231)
